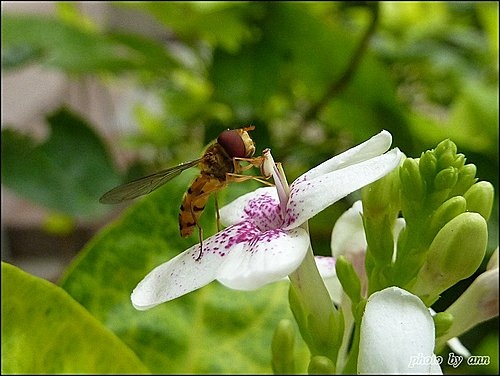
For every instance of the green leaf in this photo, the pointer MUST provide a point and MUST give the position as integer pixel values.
(211, 330)
(45, 331)
(473, 120)
(66, 173)
(281, 58)
(218, 23)
(59, 44)
(76, 48)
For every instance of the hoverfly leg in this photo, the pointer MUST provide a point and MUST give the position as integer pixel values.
(252, 162)
(217, 212)
(200, 232)
(238, 178)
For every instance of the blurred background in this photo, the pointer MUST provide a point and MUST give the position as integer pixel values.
(97, 93)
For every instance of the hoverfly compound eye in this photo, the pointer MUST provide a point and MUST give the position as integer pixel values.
(236, 144)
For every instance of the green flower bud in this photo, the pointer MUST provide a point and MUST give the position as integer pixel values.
(428, 166)
(480, 198)
(446, 212)
(446, 153)
(283, 361)
(459, 161)
(442, 322)
(446, 178)
(466, 177)
(321, 365)
(348, 278)
(455, 253)
(382, 196)
(411, 181)
(493, 262)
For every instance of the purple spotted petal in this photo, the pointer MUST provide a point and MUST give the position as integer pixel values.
(261, 257)
(309, 197)
(373, 147)
(260, 206)
(182, 274)
(185, 273)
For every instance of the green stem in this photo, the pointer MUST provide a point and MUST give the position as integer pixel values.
(320, 324)
(310, 287)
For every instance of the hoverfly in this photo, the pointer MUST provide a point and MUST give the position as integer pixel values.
(219, 165)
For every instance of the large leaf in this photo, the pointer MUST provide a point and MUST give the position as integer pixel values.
(45, 331)
(218, 23)
(212, 330)
(67, 173)
(62, 45)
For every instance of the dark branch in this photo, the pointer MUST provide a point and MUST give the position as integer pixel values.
(337, 86)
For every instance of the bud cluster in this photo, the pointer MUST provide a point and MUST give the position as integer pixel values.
(445, 210)
(446, 231)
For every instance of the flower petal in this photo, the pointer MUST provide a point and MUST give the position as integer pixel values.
(373, 147)
(348, 234)
(397, 335)
(458, 348)
(268, 257)
(261, 203)
(309, 197)
(326, 268)
(180, 275)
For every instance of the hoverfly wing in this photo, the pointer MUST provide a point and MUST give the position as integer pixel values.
(144, 185)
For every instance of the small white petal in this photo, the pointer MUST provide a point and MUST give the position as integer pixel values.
(399, 226)
(182, 274)
(326, 268)
(458, 348)
(309, 197)
(373, 147)
(397, 335)
(348, 234)
(266, 258)
(240, 209)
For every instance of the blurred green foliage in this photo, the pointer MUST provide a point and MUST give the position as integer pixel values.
(315, 78)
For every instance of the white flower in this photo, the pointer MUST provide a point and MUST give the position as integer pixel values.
(264, 240)
(348, 239)
(397, 335)
(477, 304)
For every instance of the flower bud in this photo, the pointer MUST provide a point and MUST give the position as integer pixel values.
(428, 166)
(446, 178)
(411, 181)
(480, 198)
(459, 161)
(455, 253)
(442, 322)
(321, 365)
(446, 153)
(466, 177)
(493, 263)
(382, 196)
(283, 361)
(446, 212)
(348, 278)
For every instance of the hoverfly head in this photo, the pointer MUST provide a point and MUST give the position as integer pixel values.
(237, 142)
